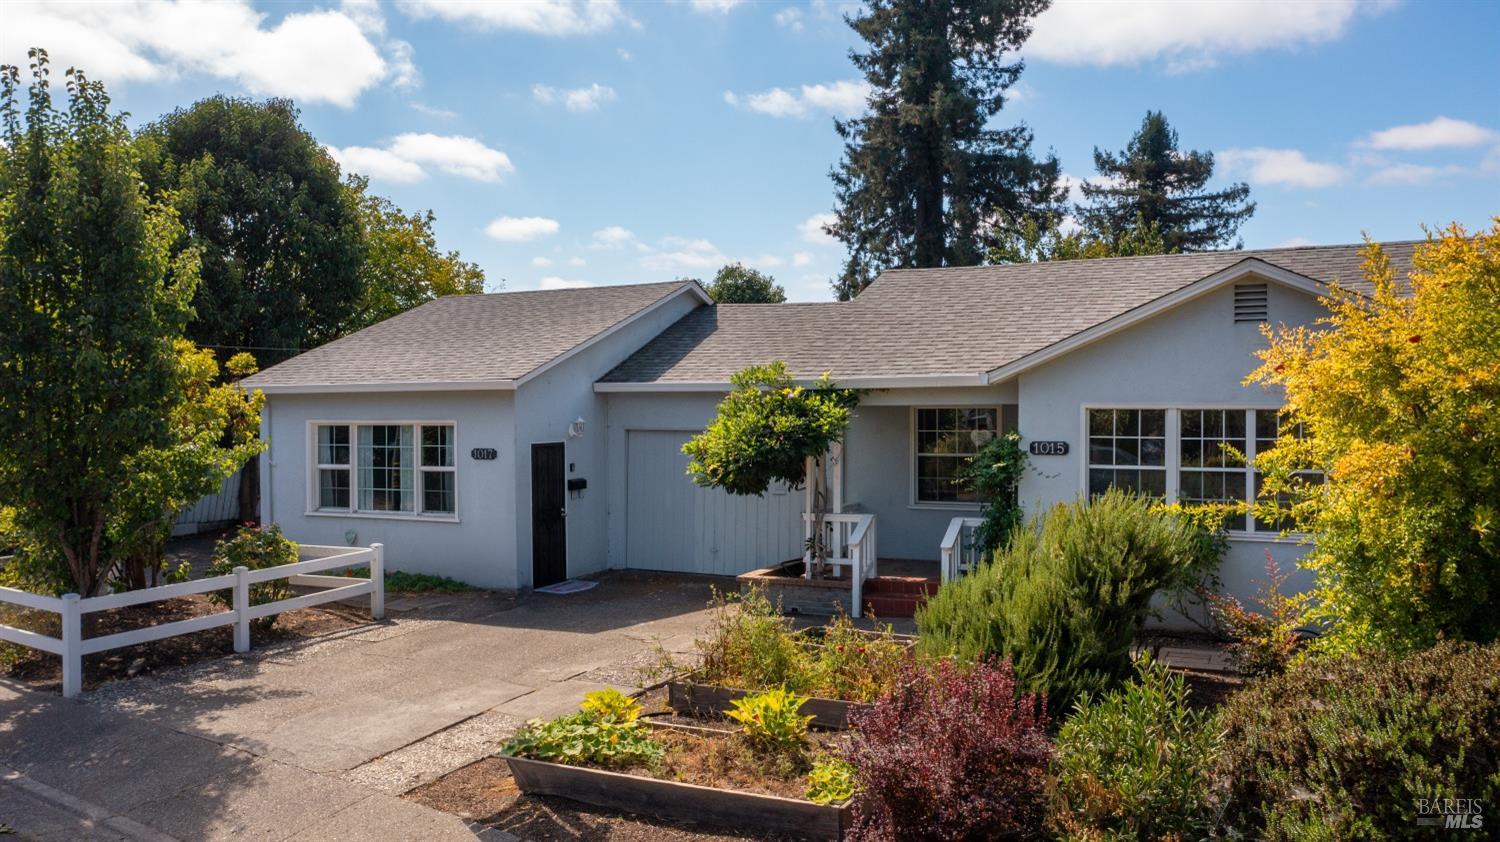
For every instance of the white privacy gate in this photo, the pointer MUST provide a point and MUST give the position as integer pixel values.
(672, 524)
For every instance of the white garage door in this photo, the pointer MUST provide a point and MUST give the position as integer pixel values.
(672, 524)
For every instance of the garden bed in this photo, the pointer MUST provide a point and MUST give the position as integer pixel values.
(784, 585)
(705, 774)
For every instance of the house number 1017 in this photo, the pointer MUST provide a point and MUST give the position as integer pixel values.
(1049, 448)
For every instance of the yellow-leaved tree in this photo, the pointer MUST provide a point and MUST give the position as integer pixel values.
(1398, 394)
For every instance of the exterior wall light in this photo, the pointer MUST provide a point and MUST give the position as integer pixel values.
(575, 429)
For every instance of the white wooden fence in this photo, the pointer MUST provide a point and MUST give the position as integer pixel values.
(72, 646)
(959, 555)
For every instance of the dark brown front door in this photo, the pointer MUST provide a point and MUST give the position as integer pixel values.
(549, 532)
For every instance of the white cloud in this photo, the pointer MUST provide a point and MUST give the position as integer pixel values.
(1288, 167)
(764, 261)
(802, 258)
(1409, 174)
(714, 6)
(1295, 242)
(454, 154)
(379, 164)
(812, 231)
(404, 157)
(1491, 163)
(1187, 36)
(543, 17)
(1434, 134)
(541, 262)
(613, 237)
(433, 111)
(554, 282)
(623, 53)
(683, 253)
(574, 99)
(789, 18)
(842, 99)
(519, 229)
(317, 56)
(577, 261)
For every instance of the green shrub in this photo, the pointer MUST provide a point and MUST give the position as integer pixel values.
(255, 549)
(1065, 598)
(1342, 747)
(606, 731)
(749, 645)
(1136, 763)
(772, 719)
(831, 781)
(994, 473)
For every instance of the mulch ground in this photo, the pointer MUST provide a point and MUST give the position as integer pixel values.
(41, 669)
(484, 792)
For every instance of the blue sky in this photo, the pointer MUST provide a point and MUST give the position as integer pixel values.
(575, 142)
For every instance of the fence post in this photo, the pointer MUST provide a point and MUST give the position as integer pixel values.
(377, 581)
(72, 640)
(241, 610)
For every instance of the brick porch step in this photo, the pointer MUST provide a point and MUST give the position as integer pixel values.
(903, 585)
(891, 607)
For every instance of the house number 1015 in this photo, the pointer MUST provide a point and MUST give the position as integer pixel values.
(1049, 448)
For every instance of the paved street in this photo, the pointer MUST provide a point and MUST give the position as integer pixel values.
(317, 739)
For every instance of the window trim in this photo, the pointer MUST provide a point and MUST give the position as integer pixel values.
(912, 502)
(417, 514)
(1174, 455)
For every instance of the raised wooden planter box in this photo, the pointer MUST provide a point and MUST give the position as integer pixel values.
(687, 696)
(679, 801)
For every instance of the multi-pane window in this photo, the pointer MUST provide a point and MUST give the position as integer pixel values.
(1269, 426)
(1187, 455)
(1128, 449)
(385, 468)
(333, 467)
(1212, 458)
(947, 438)
(437, 469)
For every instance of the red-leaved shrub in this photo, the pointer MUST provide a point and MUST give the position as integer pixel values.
(955, 754)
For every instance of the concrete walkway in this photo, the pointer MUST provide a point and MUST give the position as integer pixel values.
(317, 739)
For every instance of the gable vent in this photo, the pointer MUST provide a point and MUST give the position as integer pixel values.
(1250, 303)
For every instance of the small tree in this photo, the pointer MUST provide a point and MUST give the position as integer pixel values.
(1398, 403)
(91, 299)
(739, 284)
(766, 430)
(994, 473)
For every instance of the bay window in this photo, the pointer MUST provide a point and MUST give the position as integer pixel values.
(395, 469)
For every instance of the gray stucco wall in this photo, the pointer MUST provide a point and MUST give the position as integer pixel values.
(479, 548)
(546, 406)
(1193, 355)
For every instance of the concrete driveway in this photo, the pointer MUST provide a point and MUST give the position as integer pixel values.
(316, 739)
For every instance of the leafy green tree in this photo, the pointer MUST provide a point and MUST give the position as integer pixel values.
(278, 232)
(92, 296)
(739, 284)
(1034, 241)
(766, 430)
(1396, 400)
(994, 473)
(402, 266)
(1153, 183)
(923, 173)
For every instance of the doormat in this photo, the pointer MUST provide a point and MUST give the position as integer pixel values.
(568, 586)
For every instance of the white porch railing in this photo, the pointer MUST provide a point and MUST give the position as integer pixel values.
(959, 555)
(849, 541)
(71, 646)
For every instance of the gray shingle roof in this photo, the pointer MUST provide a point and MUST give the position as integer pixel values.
(927, 322)
(467, 338)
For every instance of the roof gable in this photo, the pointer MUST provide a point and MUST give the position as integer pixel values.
(464, 342)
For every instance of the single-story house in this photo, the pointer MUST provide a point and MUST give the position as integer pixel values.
(512, 440)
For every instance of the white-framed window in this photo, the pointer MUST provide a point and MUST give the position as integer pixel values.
(1128, 449)
(945, 438)
(1191, 455)
(395, 468)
